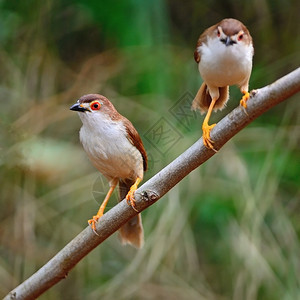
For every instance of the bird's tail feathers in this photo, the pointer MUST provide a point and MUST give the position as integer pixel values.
(203, 99)
(131, 232)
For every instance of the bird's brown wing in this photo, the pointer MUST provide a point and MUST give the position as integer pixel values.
(202, 39)
(136, 140)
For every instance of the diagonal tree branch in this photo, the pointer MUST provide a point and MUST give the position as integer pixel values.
(59, 266)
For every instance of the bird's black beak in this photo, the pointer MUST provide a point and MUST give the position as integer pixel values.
(228, 41)
(78, 107)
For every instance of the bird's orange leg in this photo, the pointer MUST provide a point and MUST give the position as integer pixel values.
(92, 222)
(130, 195)
(208, 143)
(244, 99)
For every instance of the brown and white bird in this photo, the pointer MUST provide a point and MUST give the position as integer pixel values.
(115, 148)
(224, 55)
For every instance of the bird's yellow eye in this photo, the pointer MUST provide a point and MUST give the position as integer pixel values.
(95, 105)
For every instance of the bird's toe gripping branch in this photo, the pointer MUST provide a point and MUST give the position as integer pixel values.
(92, 222)
(244, 99)
(208, 143)
(130, 196)
(206, 129)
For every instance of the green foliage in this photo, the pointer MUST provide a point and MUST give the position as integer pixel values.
(230, 230)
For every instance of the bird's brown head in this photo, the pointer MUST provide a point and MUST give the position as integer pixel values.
(231, 32)
(96, 104)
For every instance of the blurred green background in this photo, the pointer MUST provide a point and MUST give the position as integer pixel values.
(230, 230)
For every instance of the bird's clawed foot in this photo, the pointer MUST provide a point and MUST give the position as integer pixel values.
(130, 196)
(244, 99)
(208, 143)
(92, 222)
(130, 199)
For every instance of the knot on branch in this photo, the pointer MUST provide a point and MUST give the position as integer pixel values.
(149, 196)
(12, 295)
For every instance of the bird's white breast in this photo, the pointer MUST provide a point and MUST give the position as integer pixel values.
(108, 148)
(222, 65)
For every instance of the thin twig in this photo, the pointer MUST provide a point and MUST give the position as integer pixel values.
(58, 267)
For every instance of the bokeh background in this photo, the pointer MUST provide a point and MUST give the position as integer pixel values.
(230, 230)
